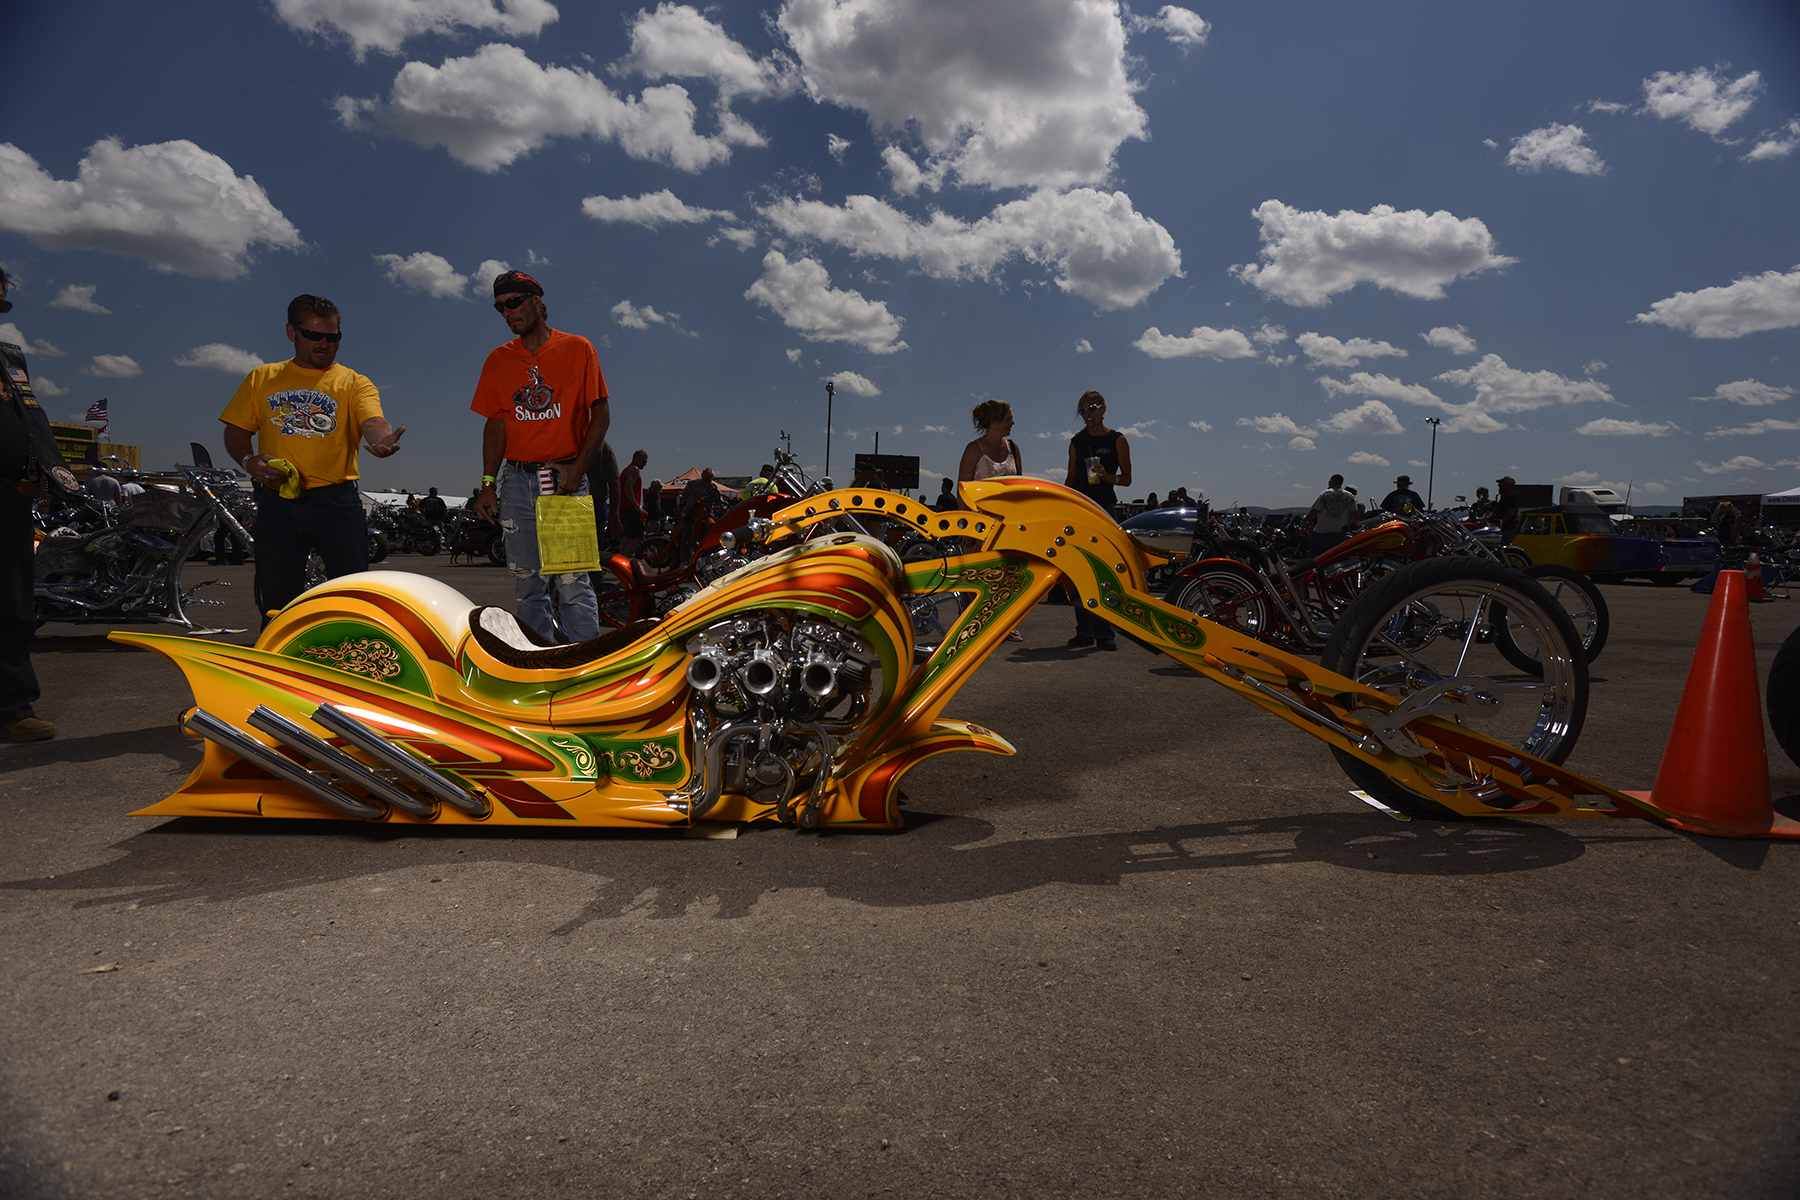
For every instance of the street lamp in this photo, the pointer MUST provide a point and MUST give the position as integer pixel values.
(1431, 473)
(830, 391)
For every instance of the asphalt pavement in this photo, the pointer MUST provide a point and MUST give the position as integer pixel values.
(1161, 952)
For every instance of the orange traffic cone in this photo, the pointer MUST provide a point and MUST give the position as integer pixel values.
(1714, 776)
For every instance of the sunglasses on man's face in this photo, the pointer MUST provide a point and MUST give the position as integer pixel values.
(313, 335)
(505, 306)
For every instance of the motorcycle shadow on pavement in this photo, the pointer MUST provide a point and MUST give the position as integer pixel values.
(660, 874)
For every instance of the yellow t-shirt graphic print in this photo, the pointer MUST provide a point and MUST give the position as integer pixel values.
(313, 419)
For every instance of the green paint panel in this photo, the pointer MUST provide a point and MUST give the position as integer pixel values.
(357, 648)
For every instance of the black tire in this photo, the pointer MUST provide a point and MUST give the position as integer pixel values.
(1580, 598)
(496, 549)
(1665, 579)
(1430, 615)
(378, 546)
(428, 545)
(1232, 596)
(1784, 696)
(1515, 557)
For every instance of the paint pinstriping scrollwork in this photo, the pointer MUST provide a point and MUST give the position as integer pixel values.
(643, 762)
(580, 754)
(999, 586)
(359, 656)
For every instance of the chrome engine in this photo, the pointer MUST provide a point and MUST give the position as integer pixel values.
(775, 693)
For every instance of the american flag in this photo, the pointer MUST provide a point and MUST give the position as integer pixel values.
(96, 411)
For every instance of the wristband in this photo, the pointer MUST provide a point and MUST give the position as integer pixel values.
(487, 479)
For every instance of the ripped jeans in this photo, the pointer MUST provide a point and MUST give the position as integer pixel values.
(574, 594)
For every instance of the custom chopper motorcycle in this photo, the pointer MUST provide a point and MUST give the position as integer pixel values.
(788, 688)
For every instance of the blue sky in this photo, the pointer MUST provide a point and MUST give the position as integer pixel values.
(1277, 237)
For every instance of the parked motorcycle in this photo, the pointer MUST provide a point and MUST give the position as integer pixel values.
(466, 533)
(407, 532)
(787, 689)
(131, 569)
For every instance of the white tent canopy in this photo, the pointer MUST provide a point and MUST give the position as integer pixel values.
(1791, 496)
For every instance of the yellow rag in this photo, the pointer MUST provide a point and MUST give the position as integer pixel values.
(291, 487)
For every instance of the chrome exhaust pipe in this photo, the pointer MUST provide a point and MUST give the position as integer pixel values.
(763, 673)
(399, 761)
(203, 724)
(340, 764)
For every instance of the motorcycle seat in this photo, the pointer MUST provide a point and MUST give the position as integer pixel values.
(500, 635)
(648, 576)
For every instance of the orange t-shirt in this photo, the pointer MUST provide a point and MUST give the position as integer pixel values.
(544, 398)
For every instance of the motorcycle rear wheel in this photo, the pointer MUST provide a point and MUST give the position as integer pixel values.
(496, 549)
(378, 546)
(1426, 623)
(428, 545)
(1230, 596)
(1580, 598)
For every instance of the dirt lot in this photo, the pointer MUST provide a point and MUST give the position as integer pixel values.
(1161, 952)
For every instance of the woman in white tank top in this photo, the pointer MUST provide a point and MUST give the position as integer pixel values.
(993, 453)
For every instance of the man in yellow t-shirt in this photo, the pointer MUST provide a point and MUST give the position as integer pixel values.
(311, 411)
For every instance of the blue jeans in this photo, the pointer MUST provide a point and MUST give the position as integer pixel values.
(518, 521)
(1089, 624)
(327, 519)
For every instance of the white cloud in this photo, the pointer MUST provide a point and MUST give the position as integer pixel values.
(934, 429)
(1613, 427)
(1560, 146)
(1214, 343)
(1101, 248)
(1330, 352)
(1753, 304)
(113, 366)
(836, 146)
(1607, 106)
(172, 203)
(10, 333)
(1270, 335)
(631, 316)
(1594, 366)
(795, 355)
(384, 24)
(217, 356)
(1778, 144)
(1742, 462)
(743, 239)
(1308, 257)
(800, 293)
(81, 299)
(489, 270)
(856, 385)
(497, 105)
(1757, 428)
(424, 273)
(1202, 426)
(1580, 477)
(1503, 389)
(1454, 338)
(1083, 346)
(1369, 417)
(1302, 443)
(677, 41)
(1749, 392)
(44, 386)
(1182, 26)
(1365, 459)
(1463, 418)
(1000, 95)
(650, 210)
(1702, 99)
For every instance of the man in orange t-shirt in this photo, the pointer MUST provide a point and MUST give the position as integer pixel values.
(546, 408)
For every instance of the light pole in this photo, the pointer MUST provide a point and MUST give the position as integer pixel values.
(1431, 472)
(830, 391)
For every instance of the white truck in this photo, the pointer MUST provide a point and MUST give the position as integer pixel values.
(1604, 499)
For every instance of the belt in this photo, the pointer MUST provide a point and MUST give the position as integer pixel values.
(535, 466)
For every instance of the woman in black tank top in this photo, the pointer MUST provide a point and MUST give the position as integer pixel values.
(1099, 459)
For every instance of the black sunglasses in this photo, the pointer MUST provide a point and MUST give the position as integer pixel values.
(501, 306)
(314, 336)
(1093, 408)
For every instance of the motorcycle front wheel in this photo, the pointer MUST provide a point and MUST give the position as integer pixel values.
(1432, 623)
(496, 549)
(658, 551)
(428, 545)
(1580, 597)
(378, 546)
